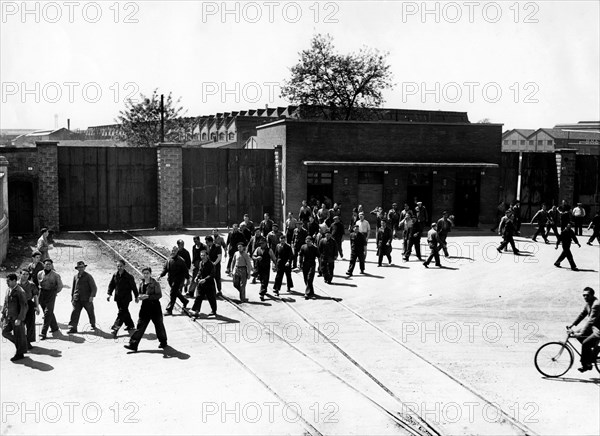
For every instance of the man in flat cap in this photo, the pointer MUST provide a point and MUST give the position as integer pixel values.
(82, 297)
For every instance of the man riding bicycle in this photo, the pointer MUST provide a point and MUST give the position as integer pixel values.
(589, 334)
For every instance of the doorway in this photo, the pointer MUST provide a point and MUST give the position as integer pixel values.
(466, 204)
(20, 206)
(419, 189)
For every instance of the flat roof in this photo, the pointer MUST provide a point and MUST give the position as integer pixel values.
(430, 123)
(399, 164)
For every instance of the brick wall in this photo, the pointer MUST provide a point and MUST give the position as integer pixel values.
(48, 184)
(567, 175)
(170, 187)
(392, 142)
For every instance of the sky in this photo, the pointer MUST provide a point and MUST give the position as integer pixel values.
(521, 64)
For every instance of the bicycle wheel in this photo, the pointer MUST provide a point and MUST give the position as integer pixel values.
(553, 359)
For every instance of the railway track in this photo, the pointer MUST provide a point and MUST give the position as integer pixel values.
(405, 418)
(123, 241)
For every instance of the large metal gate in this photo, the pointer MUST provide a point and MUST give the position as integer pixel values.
(107, 188)
(220, 186)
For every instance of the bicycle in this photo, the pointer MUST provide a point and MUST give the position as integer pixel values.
(554, 359)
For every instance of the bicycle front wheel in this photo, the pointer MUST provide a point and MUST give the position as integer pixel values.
(553, 359)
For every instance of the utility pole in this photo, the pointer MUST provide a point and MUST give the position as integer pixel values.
(162, 118)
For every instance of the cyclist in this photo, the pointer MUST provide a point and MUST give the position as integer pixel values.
(589, 334)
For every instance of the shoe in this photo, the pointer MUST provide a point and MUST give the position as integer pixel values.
(245, 300)
(190, 295)
(17, 357)
(253, 281)
(533, 239)
(348, 273)
(93, 327)
(516, 252)
(276, 293)
(185, 304)
(213, 314)
(290, 289)
(71, 331)
(499, 250)
(439, 265)
(55, 331)
(220, 294)
(168, 313)
(114, 333)
(557, 265)
(363, 271)
(584, 368)
(130, 347)
(589, 243)
(163, 345)
(546, 241)
(29, 346)
(43, 337)
(575, 269)
(262, 297)
(425, 264)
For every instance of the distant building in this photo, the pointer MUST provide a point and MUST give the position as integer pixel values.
(61, 134)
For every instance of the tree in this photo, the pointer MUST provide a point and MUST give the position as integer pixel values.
(484, 121)
(341, 84)
(140, 121)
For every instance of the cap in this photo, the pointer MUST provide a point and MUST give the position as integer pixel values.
(80, 264)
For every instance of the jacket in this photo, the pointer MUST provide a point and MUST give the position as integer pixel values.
(84, 287)
(123, 285)
(15, 305)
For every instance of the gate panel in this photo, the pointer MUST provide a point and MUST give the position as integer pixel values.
(107, 188)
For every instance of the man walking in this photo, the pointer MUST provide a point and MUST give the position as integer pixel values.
(185, 255)
(553, 219)
(364, 227)
(384, 243)
(82, 297)
(578, 216)
(206, 286)
(308, 263)
(566, 237)
(234, 237)
(123, 285)
(337, 233)
(300, 234)
(177, 272)
(329, 252)
(263, 256)
(507, 230)
(35, 267)
(215, 255)
(241, 267)
(541, 217)
(50, 285)
(13, 316)
(434, 245)
(444, 226)
(284, 257)
(357, 250)
(32, 297)
(595, 224)
(196, 249)
(589, 333)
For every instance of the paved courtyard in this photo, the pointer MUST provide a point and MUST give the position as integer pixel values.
(453, 347)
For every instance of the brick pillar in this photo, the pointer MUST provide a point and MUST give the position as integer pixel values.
(170, 186)
(48, 200)
(4, 235)
(566, 170)
(279, 200)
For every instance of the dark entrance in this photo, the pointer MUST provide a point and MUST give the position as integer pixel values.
(320, 187)
(466, 204)
(419, 189)
(20, 206)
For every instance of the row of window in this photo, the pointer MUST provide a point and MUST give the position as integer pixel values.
(365, 177)
(230, 136)
(531, 142)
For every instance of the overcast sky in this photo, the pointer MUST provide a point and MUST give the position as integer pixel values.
(523, 64)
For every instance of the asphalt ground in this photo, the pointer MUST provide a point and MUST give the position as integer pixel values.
(453, 346)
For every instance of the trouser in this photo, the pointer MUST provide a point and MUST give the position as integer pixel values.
(123, 316)
(289, 236)
(193, 284)
(413, 242)
(47, 301)
(77, 306)
(384, 251)
(150, 311)
(206, 292)
(295, 259)
(327, 267)
(405, 241)
(175, 294)
(595, 235)
(566, 253)
(553, 228)
(16, 334)
(263, 276)
(217, 273)
(339, 244)
(443, 242)
(30, 322)
(540, 231)
(360, 255)
(578, 225)
(308, 272)
(281, 270)
(587, 348)
(508, 240)
(231, 253)
(240, 277)
(434, 255)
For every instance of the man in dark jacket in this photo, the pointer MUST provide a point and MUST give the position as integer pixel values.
(507, 230)
(589, 333)
(565, 238)
(337, 233)
(177, 272)
(206, 285)
(300, 234)
(50, 284)
(234, 237)
(123, 285)
(263, 256)
(284, 258)
(196, 249)
(32, 296)
(541, 218)
(433, 241)
(308, 264)
(358, 243)
(384, 243)
(13, 316)
(329, 251)
(82, 297)
(185, 255)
